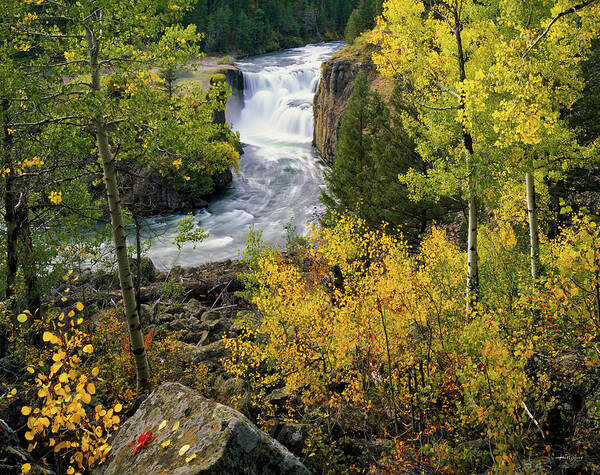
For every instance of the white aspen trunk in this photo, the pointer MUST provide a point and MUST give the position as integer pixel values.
(534, 238)
(472, 293)
(118, 229)
(472, 258)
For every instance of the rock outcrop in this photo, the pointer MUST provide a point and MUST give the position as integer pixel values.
(154, 193)
(337, 82)
(204, 438)
(234, 77)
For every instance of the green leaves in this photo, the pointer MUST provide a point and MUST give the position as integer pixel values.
(188, 232)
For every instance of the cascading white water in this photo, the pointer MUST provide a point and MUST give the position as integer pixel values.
(280, 175)
(278, 104)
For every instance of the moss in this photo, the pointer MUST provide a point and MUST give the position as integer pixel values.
(217, 78)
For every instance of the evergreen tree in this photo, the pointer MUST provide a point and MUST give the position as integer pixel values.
(219, 29)
(274, 23)
(353, 28)
(245, 29)
(362, 19)
(373, 149)
(342, 11)
(261, 30)
(350, 178)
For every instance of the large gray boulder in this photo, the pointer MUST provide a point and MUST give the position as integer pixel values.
(223, 440)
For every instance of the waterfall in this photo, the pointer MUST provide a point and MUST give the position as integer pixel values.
(278, 103)
(280, 175)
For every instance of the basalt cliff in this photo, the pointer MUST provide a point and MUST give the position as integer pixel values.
(337, 81)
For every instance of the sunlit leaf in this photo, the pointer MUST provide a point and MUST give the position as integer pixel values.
(184, 449)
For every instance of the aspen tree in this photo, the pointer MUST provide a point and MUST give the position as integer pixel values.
(105, 51)
(493, 77)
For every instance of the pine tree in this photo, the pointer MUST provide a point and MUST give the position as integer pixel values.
(362, 19)
(219, 29)
(351, 175)
(353, 27)
(373, 149)
(245, 38)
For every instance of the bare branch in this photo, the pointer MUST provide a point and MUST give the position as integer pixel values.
(45, 121)
(533, 419)
(45, 35)
(573, 9)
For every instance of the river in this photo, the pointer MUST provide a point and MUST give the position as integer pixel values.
(280, 173)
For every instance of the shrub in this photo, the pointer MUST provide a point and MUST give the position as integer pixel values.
(374, 338)
(226, 60)
(63, 419)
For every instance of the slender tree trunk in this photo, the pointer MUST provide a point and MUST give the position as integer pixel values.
(28, 263)
(11, 202)
(118, 229)
(472, 260)
(534, 238)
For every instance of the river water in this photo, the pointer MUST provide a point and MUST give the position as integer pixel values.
(280, 174)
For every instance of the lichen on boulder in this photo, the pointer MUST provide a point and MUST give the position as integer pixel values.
(204, 437)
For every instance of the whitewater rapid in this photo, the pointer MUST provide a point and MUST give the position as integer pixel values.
(280, 174)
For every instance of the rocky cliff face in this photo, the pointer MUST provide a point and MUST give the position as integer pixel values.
(337, 82)
(234, 77)
(154, 194)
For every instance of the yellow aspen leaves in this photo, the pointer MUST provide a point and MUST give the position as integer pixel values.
(50, 337)
(190, 458)
(175, 426)
(61, 421)
(184, 449)
(79, 306)
(166, 443)
(26, 468)
(22, 318)
(162, 425)
(55, 197)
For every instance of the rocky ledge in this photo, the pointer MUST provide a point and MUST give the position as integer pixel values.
(200, 436)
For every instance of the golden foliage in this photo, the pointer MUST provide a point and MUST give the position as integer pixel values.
(364, 322)
(63, 420)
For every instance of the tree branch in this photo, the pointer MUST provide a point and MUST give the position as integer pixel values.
(573, 9)
(45, 121)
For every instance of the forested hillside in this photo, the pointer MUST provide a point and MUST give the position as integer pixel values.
(256, 26)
